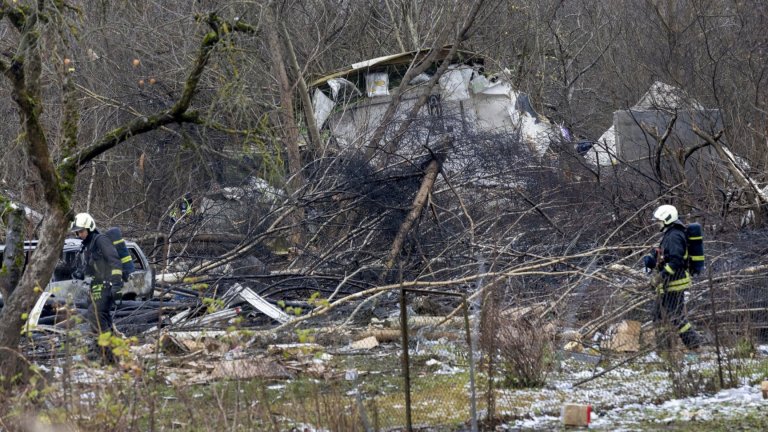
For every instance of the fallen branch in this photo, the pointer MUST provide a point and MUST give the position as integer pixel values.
(730, 163)
(430, 175)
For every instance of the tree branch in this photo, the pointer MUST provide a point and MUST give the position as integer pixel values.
(178, 113)
(660, 142)
(725, 155)
(461, 35)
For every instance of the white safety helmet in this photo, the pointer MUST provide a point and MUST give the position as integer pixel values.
(665, 213)
(82, 221)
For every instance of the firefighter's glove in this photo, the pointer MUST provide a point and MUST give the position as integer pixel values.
(96, 291)
(78, 274)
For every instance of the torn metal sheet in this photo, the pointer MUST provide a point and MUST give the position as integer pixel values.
(262, 305)
(172, 346)
(603, 152)
(535, 132)
(479, 84)
(343, 90)
(383, 62)
(181, 318)
(374, 61)
(661, 95)
(34, 315)
(628, 141)
(222, 315)
(322, 106)
(173, 320)
(454, 83)
(196, 334)
(175, 277)
(464, 97)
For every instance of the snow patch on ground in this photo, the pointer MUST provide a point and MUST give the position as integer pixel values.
(627, 398)
(729, 403)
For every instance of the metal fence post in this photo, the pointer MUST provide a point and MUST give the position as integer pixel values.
(473, 394)
(406, 360)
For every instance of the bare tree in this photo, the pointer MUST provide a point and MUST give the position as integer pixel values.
(23, 70)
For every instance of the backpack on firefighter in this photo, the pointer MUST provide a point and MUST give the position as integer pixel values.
(694, 253)
(116, 236)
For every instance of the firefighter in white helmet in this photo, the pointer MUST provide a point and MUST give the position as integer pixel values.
(671, 277)
(103, 264)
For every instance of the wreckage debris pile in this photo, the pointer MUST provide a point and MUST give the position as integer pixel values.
(173, 308)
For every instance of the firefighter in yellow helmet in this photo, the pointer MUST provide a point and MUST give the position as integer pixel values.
(184, 208)
(103, 264)
(671, 277)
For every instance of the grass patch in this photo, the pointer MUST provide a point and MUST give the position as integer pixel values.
(88, 398)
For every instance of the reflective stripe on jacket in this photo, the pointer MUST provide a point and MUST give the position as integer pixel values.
(674, 246)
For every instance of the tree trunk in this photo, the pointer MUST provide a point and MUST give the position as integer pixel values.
(56, 182)
(286, 115)
(34, 279)
(306, 102)
(286, 109)
(13, 255)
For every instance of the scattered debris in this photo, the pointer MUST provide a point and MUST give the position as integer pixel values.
(576, 414)
(367, 343)
(248, 368)
(572, 341)
(295, 351)
(485, 104)
(416, 321)
(260, 304)
(622, 337)
(172, 346)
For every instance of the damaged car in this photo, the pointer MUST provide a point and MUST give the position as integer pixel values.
(140, 283)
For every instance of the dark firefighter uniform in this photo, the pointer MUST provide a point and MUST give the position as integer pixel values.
(671, 281)
(103, 264)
